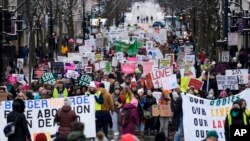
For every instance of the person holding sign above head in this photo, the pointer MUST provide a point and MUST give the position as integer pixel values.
(65, 116)
(60, 91)
(236, 116)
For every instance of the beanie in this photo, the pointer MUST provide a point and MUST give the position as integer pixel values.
(212, 134)
(41, 137)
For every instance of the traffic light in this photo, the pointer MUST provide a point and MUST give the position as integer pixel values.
(7, 21)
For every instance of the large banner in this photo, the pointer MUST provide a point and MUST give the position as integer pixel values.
(40, 115)
(202, 115)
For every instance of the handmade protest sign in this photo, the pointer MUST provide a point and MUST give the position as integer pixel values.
(157, 75)
(128, 68)
(147, 67)
(57, 67)
(48, 78)
(37, 74)
(107, 67)
(157, 96)
(40, 115)
(190, 59)
(155, 111)
(165, 63)
(225, 56)
(202, 115)
(169, 82)
(242, 75)
(225, 82)
(84, 80)
(98, 57)
(184, 83)
(72, 74)
(195, 83)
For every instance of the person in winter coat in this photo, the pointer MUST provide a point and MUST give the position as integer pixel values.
(150, 125)
(60, 91)
(77, 133)
(65, 116)
(176, 107)
(133, 119)
(117, 105)
(22, 131)
(236, 116)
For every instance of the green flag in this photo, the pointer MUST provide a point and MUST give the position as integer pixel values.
(131, 49)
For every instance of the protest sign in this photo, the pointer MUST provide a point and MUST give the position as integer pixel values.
(188, 71)
(99, 42)
(232, 39)
(163, 35)
(242, 75)
(20, 63)
(40, 115)
(69, 66)
(155, 111)
(12, 79)
(165, 110)
(132, 60)
(128, 68)
(48, 78)
(157, 96)
(107, 67)
(88, 69)
(37, 74)
(119, 56)
(170, 56)
(184, 83)
(202, 115)
(195, 83)
(149, 45)
(72, 74)
(169, 82)
(225, 82)
(57, 67)
(106, 84)
(98, 57)
(79, 41)
(19, 78)
(154, 53)
(165, 63)
(190, 59)
(84, 80)
(114, 62)
(225, 56)
(149, 82)
(157, 75)
(147, 67)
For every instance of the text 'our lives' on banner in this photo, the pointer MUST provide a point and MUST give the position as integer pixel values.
(202, 115)
(40, 115)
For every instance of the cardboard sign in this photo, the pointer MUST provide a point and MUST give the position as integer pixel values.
(20, 63)
(242, 75)
(225, 56)
(165, 110)
(128, 68)
(225, 82)
(165, 63)
(158, 75)
(155, 111)
(169, 82)
(84, 80)
(197, 84)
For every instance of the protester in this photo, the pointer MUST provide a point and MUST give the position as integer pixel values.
(41, 137)
(212, 136)
(77, 132)
(64, 117)
(3, 94)
(22, 132)
(129, 117)
(236, 116)
(100, 136)
(117, 105)
(60, 91)
(243, 105)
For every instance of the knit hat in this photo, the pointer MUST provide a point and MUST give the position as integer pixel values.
(67, 102)
(129, 137)
(92, 84)
(41, 137)
(223, 94)
(140, 90)
(212, 134)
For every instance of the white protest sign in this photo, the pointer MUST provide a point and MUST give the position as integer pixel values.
(114, 62)
(163, 35)
(169, 82)
(225, 82)
(158, 75)
(157, 96)
(190, 59)
(232, 39)
(106, 84)
(202, 115)
(225, 56)
(149, 45)
(155, 53)
(79, 41)
(242, 75)
(40, 115)
(119, 56)
(72, 74)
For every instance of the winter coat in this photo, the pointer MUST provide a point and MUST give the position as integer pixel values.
(107, 100)
(76, 136)
(176, 107)
(65, 117)
(133, 119)
(148, 102)
(21, 131)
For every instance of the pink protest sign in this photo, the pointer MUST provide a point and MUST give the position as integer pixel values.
(147, 67)
(132, 60)
(128, 68)
(70, 66)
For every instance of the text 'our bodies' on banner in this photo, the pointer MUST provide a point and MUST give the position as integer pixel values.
(40, 114)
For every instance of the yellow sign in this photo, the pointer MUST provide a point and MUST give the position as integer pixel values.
(184, 84)
(98, 57)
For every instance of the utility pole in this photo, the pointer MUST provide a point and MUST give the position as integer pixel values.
(226, 19)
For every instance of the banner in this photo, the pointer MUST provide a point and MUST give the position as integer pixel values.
(225, 82)
(40, 115)
(202, 115)
(169, 82)
(128, 68)
(158, 75)
(196, 83)
(242, 75)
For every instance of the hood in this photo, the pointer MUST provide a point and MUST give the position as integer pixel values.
(66, 108)
(76, 135)
(128, 106)
(102, 90)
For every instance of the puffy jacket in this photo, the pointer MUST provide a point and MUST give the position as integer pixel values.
(65, 117)
(22, 131)
(108, 104)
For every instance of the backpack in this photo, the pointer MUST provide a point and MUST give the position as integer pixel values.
(124, 117)
(10, 128)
